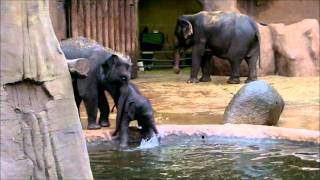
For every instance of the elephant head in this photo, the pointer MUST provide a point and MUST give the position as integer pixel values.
(183, 38)
(116, 69)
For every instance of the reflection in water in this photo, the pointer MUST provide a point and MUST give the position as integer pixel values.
(212, 158)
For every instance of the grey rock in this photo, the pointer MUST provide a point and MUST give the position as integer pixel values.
(255, 103)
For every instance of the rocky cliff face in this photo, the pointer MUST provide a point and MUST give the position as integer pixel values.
(297, 48)
(41, 135)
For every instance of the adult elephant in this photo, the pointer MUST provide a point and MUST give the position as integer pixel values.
(227, 35)
(108, 70)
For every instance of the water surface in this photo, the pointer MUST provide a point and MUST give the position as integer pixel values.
(208, 158)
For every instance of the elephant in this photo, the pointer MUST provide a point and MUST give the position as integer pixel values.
(136, 107)
(108, 69)
(227, 35)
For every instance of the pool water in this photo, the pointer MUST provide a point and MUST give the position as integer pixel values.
(199, 157)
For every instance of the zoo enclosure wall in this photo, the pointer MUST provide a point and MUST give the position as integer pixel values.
(112, 23)
(115, 23)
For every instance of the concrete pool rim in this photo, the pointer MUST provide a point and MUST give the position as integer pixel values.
(226, 130)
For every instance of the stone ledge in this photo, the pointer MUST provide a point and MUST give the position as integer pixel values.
(227, 130)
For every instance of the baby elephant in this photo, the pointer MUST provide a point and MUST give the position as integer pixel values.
(136, 107)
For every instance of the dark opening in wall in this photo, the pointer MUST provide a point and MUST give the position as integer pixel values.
(156, 24)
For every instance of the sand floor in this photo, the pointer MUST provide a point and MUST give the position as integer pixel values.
(176, 102)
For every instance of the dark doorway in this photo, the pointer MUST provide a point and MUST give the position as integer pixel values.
(157, 21)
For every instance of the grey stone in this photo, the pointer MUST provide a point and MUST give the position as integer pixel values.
(255, 103)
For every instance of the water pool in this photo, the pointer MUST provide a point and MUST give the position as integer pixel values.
(208, 158)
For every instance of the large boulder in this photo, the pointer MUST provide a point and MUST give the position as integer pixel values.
(255, 103)
(297, 48)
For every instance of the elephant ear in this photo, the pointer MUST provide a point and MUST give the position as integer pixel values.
(109, 61)
(187, 29)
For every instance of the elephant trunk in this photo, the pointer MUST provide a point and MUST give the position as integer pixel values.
(124, 93)
(176, 57)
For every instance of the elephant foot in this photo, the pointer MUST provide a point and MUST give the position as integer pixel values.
(250, 80)
(93, 126)
(115, 138)
(104, 123)
(123, 145)
(205, 79)
(233, 80)
(193, 80)
(176, 70)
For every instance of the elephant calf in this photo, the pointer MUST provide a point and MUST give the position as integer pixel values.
(136, 107)
(227, 35)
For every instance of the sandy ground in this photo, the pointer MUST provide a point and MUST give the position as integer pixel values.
(176, 102)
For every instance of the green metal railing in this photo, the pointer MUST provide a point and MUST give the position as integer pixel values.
(160, 60)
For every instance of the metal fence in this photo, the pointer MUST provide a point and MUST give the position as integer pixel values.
(157, 66)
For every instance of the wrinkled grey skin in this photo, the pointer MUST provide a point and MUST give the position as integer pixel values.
(108, 71)
(229, 36)
(255, 103)
(136, 107)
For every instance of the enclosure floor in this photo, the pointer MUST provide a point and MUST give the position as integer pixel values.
(176, 102)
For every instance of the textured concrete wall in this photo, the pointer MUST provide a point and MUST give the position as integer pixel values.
(280, 11)
(41, 135)
(219, 5)
(58, 18)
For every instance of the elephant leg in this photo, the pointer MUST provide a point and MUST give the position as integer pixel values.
(124, 131)
(104, 109)
(78, 100)
(196, 60)
(206, 69)
(77, 96)
(235, 72)
(91, 104)
(149, 130)
(252, 64)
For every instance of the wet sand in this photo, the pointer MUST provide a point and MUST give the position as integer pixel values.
(176, 102)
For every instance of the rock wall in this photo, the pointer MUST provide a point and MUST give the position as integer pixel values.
(280, 11)
(297, 48)
(41, 135)
(59, 18)
(220, 5)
